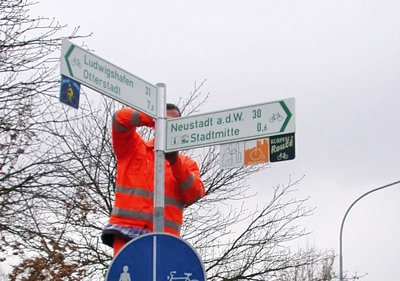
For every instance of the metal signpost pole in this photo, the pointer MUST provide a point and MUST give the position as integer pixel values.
(159, 148)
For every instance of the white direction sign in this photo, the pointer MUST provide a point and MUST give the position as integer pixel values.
(108, 79)
(232, 125)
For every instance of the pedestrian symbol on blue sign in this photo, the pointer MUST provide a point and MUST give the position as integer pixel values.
(69, 92)
(125, 275)
(156, 257)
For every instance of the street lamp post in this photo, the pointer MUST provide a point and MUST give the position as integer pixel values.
(344, 218)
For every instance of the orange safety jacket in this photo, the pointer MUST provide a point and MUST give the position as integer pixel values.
(134, 193)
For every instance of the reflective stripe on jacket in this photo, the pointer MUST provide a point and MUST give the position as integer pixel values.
(133, 204)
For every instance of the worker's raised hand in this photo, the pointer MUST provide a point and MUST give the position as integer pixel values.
(172, 157)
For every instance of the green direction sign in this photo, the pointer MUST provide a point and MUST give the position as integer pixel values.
(232, 125)
(108, 79)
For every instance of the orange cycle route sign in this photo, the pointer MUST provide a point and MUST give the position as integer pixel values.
(231, 125)
(260, 151)
(107, 78)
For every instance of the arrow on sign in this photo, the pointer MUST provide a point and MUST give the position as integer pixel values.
(238, 124)
(108, 79)
(288, 116)
(67, 59)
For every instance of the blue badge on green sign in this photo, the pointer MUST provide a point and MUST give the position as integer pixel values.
(70, 90)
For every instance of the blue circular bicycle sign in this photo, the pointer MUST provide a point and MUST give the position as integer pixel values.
(157, 257)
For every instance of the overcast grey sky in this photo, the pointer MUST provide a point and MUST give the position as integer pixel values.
(339, 59)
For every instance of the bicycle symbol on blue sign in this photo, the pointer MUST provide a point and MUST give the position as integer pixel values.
(70, 91)
(185, 278)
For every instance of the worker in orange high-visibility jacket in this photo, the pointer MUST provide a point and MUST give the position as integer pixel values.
(132, 213)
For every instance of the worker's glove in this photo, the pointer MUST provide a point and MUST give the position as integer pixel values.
(172, 157)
